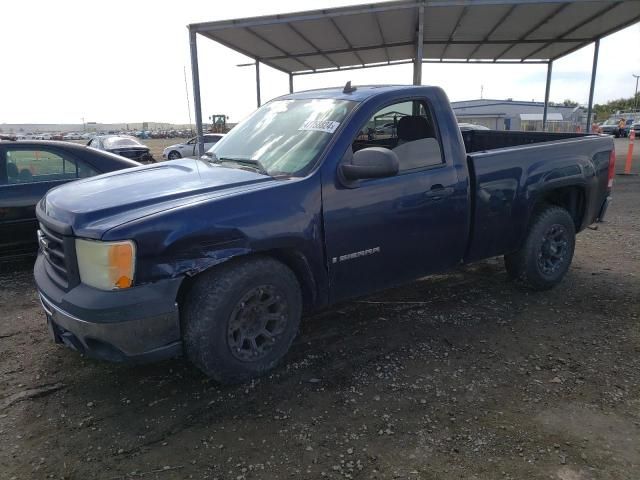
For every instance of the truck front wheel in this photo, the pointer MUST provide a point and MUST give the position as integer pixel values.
(546, 255)
(239, 319)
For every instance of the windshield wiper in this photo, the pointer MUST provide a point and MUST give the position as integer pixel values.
(250, 162)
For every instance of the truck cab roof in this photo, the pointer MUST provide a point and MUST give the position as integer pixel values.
(362, 92)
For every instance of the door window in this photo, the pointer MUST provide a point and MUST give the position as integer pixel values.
(30, 166)
(409, 130)
(211, 138)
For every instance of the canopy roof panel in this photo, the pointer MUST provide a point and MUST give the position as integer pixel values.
(454, 30)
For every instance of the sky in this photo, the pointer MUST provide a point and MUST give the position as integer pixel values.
(124, 61)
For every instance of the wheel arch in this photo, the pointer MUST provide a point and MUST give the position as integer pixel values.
(293, 258)
(570, 197)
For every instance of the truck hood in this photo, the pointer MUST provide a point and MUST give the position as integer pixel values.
(95, 205)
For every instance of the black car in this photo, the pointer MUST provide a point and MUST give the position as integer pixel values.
(28, 169)
(125, 146)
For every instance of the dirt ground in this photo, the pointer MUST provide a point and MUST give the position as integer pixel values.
(459, 376)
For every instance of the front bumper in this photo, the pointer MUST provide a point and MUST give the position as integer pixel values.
(139, 324)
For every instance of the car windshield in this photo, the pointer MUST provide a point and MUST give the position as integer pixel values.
(116, 142)
(284, 137)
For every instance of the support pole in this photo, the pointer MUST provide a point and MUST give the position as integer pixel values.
(417, 62)
(258, 82)
(546, 96)
(195, 74)
(635, 95)
(291, 83)
(594, 69)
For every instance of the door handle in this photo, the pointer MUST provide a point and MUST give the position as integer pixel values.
(438, 191)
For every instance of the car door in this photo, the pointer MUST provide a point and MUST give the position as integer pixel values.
(27, 172)
(189, 148)
(210, 141)
(381, 232)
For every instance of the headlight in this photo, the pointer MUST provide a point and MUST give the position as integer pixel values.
(106, 265)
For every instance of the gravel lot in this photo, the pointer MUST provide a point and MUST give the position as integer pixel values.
(459, 376)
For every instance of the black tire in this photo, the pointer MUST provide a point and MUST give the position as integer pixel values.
(174, 155)
(546, 254)
(229, 303)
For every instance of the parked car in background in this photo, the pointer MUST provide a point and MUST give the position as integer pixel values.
(465, 127)
(125, 146)
(629, 125)
(636, 128)
(28, 169)
(190, 148)
(612, 126)
(72, 136)
(7, 138)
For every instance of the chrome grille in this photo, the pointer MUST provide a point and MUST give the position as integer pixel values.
(52, 247)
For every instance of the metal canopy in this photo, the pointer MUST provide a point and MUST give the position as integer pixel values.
(452, 30)
(418, 31)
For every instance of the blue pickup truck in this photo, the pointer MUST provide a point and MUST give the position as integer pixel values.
(306, 203)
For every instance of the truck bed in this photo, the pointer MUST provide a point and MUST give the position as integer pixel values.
(507, 181)
(482, 140)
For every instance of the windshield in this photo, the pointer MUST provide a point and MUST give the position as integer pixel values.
(115, 142)
(284, 137)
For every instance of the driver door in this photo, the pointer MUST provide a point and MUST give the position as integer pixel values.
(385, 231)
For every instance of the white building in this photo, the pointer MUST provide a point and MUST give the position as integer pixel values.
(519, 115)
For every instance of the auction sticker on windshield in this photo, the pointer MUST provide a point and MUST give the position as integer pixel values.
(328, 126)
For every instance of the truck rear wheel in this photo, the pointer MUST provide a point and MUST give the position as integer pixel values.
(546, 255)
(240, 319)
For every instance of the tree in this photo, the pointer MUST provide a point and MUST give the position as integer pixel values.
(608, 109)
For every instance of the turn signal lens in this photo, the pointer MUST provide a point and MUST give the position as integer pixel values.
(106, 265)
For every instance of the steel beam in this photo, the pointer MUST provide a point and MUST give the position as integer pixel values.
(357, 67)
(242, 51)
(306, 16)
(453, 31)
(546, 96)
(356, 10)
(381, 33)
(534, 28)
(291, 83)
(493, 29)
(345, 40)
(417, 62)
(611, 31)
(594, 69)
(275, 47)
(258, 82)
(195, 74)
(404, 62)
(586, 21)
(354, 50)
(313, 45)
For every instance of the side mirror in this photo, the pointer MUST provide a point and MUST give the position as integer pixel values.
(372, 162)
